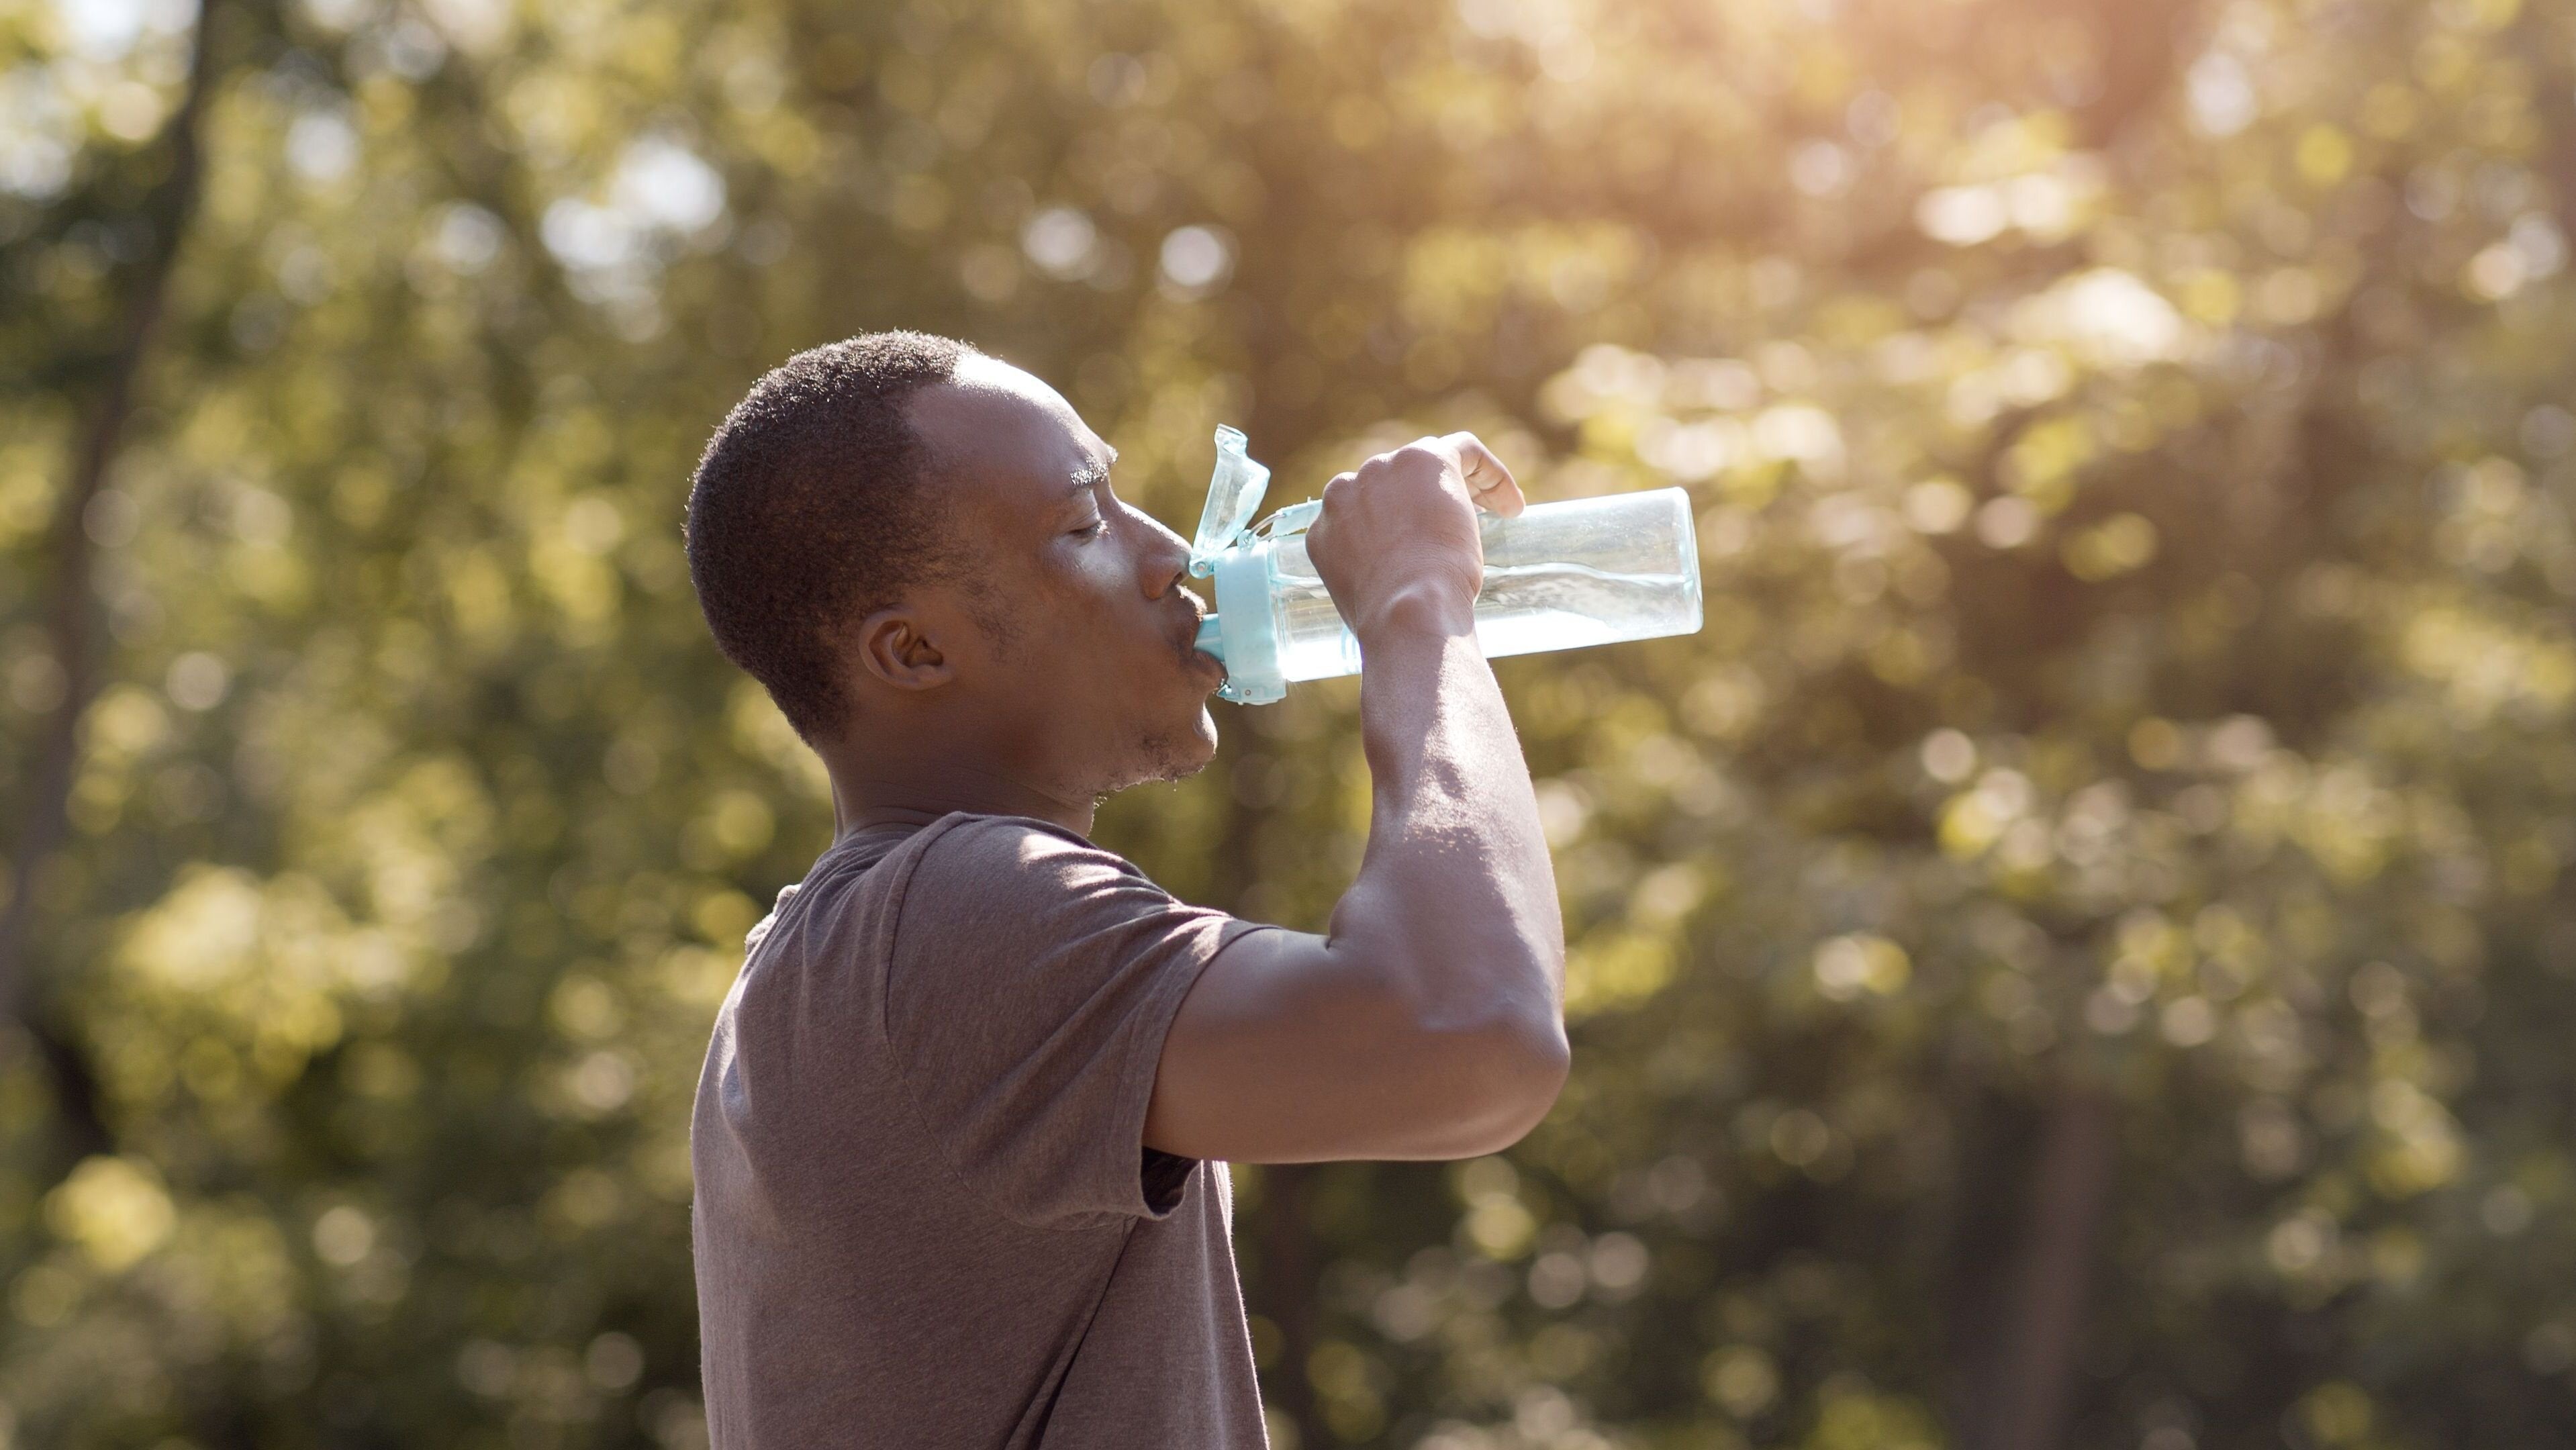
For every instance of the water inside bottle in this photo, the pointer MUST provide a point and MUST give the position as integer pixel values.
(1522, 609)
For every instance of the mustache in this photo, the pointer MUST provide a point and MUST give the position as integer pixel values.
(1187, 646)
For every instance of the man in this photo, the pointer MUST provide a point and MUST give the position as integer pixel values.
(961, 1137)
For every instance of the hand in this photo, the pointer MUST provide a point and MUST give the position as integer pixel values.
(1396, 541)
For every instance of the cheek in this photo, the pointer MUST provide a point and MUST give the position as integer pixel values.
(1088, 589)
(1069, 625)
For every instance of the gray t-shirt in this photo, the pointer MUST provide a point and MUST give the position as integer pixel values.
(925, 1212)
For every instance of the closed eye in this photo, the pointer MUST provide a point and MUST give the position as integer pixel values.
(1093, 529)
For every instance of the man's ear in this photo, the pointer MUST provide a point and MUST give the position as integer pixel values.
(893, 648)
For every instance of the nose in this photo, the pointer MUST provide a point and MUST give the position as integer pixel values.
(1164, 560)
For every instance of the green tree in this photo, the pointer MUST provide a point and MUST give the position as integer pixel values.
(2076, 952)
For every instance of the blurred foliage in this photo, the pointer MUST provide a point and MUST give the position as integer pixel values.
(2112, 837)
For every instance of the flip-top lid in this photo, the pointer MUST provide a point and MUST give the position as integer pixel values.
(1234, 495)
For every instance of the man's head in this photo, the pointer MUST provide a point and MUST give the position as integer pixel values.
(916, 549)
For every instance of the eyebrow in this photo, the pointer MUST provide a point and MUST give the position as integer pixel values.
(1087, 479)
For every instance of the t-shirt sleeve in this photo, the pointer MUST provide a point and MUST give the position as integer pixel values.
(1030, 983)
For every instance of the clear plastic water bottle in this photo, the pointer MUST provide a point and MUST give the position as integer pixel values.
(1559, 576)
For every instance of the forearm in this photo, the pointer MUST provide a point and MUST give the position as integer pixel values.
(1456, 894)
(1429, 1021)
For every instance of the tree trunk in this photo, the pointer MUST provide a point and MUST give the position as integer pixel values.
(2142, 51)
(71, 611)
(1284, 1289)
(1288, 1272)
(2032, 1383)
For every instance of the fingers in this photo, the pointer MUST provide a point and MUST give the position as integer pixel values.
(1489, 483)
(1336, 493)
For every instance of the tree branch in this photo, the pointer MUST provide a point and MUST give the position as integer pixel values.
(71, 623)
(2033, 1389)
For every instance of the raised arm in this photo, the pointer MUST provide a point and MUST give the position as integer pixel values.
(1428, 1023)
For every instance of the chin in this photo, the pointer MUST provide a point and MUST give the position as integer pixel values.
(1180, 753)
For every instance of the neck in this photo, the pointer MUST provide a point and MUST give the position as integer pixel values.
(885, 788)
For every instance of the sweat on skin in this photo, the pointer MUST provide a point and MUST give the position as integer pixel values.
(961, 1136)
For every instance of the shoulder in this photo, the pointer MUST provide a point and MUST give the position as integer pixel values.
(965, 832)
(971, 864)
(1006, 898)
(1010, 848)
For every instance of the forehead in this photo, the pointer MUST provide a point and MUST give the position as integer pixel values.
(1000, 438)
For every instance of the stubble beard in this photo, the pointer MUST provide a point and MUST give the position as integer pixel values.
(1170, 755)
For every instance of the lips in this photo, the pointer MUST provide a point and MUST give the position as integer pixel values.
(1194, 658)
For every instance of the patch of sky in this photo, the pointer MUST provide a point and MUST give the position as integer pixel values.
(107, 31)
(39, 131)
(659, 188)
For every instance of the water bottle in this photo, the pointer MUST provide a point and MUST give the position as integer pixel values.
(1559, 576)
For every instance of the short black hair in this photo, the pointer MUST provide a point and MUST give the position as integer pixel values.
(809, 511)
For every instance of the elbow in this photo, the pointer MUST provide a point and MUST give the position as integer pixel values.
(1516, 1071)
(1542, 1060)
